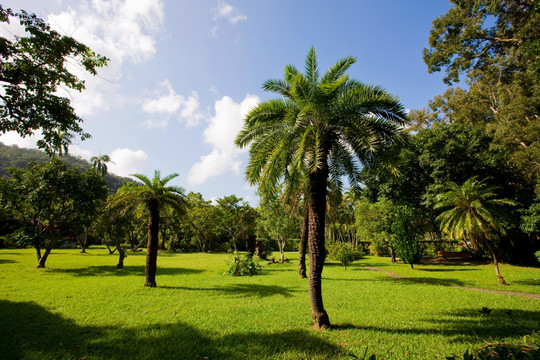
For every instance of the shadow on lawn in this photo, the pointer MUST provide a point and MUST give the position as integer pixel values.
(242, 290)
(466, 325)
(7, 261)
(111, 270)
(34, 332)
(530, 282)
(407, 281)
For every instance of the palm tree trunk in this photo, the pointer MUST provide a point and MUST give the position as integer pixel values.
(317, 213)
(303, 241)
(493, 252)
(153, 243)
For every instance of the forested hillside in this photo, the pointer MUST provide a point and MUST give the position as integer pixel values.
(20, 157)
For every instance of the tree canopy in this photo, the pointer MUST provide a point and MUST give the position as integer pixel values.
(32, 69)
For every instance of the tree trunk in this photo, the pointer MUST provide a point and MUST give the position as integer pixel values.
(282, 251)
(121, 256)
(493, 252)
(83, 241)
(303, 241)
(43, 259)
(38, 252)
(153, 243)
(317, 213)
(250, 243)
(392, 253)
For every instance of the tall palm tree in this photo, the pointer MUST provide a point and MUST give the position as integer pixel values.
(99, 163)
(155, 195)
(330, 125)
(473, 213)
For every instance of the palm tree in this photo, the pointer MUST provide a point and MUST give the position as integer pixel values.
(99, 163)
(473, 213)
(155, 195)
(330, 125)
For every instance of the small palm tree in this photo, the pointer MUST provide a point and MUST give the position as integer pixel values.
(473, 213)
(155, 195)
(99, 163)
(329, 125)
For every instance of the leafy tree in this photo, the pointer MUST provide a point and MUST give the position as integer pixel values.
(477, 34)
(406, 237)
(32, 69)
(472, 212)
(332, 124)
(204, 221)
(496, 44)
(52, 201)
(155, 195)
(279, 224)
(374, 223)
(236, 218)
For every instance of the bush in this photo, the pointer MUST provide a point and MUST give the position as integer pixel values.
(345, 253)
(537, 254)
(378, 248)
(243, 265)
(406, 237)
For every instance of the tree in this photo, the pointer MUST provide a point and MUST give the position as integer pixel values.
(155, 195)
(406, 236)
(496, 44)
(472, 212)
(477, 34)
(99, 163)
(236, 218)
(329, 124)
(204, 221)
(279, 224)
(32, 69)
(52, 201)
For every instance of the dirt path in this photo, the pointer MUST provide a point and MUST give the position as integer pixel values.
(397, 276)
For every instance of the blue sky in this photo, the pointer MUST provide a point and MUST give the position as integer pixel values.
(183, 73)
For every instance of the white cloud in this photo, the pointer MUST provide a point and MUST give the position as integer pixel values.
(121, 30)
(76, 150)
(220, 133)
(168, 103)
(225, 12)
(126, 161)
(13, 138)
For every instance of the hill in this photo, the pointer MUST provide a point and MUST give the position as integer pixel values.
(19, 157)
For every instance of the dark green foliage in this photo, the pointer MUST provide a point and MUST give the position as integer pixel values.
(33, 67)
(243, 265)
(345, 253)
(20, 157)
(405, 236)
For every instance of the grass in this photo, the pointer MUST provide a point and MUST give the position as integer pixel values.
(519, 279)
(81, 307)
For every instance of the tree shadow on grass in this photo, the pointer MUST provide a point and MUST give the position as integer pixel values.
(406, 281)
(446, 270)
(109, 270)
(243, 290)
(7, 261)
(530, 282)
(36, 333)
(466, 325)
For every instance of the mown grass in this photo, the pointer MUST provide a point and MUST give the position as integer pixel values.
(519, 279)
(81, 307)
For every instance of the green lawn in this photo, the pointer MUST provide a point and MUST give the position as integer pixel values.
(81, 307)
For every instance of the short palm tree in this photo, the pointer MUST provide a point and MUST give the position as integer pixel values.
(472, 211)
(155, 195)
(99, 163)
(329, 125)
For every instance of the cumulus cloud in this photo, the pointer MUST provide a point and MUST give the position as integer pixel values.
(13, 138)
(167, 103)
(225, 12)
(121, 30)
(220, 133)
(126, 161)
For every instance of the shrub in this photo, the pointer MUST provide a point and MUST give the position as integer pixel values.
(378, 248)
(243, 265)
(406, 238)
(501, 351)
(537, 254)
(345, 253)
